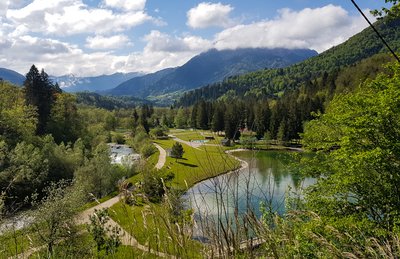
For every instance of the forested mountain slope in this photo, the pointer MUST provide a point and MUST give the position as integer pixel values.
(271, 81)
(108, 102)
(210, 67)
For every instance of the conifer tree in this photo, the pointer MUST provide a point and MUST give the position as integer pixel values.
(40, 93)
(177, 151)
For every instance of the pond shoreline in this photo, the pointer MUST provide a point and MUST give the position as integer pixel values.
(243, 164)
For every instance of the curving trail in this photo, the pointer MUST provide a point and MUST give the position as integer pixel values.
(126, 238)
(161, 158)
(190, 144)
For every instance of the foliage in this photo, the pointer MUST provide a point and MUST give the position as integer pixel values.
(158, 132)
(358, 161)
(107, 237)
(177, 150)
(147, 150)
(153, 185)
(54, 216)
(108, 102)
(391, 12)
(18, 120)
(64, 123)
(25, 169)
(287, 113)
(181, 118)
(118, 138)
(98, 176)
(40, 93)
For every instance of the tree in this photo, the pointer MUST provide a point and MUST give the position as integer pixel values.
(158, 132)
(202, 116)
(18, 120)
(232, 122)
(97, 175)
(180, 119)
(217, 122)
(261, 119)
(105, 236)
(177, 151)
(359, 156)
(392, 12)
(40, 93)
(25, 170)
(153, 185)
(55, 214)
(64, 122)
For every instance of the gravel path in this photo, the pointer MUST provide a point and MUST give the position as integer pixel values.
(190, 144)
(126, 239)
(161, 158)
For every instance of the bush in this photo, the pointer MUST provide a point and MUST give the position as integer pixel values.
(118, 138)
(147, 150)
(153, 186)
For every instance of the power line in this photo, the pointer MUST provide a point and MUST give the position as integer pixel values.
(376, 31)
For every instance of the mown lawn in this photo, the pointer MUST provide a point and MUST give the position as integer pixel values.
(196, 164)
(189, 135)
(147, 223)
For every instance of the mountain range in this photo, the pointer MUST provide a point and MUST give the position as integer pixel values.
(273, 81)
(11, 76)
(71, 83)
(209, 67)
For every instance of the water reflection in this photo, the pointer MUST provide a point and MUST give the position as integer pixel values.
(266, 180)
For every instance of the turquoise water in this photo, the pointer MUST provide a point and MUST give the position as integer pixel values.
(268, 179)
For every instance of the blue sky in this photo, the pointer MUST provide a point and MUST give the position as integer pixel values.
(93, 37)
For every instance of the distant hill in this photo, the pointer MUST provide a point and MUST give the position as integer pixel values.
(71, 83)
(12, 76)
(272, 81)
(108, 102)
(210, 67)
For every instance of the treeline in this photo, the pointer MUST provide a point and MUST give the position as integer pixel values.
(278, 117)
(270, 82)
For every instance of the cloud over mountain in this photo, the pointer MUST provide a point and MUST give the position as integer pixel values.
(319, 29)
(89, 38)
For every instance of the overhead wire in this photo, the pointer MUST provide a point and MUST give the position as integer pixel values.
(376, 31)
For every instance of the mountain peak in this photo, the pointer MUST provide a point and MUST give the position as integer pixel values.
(210, 67)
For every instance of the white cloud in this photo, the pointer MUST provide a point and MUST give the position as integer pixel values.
(319, 29)
(60, 58)
(161, 42)
(4, 6)
(207, 15)
(113, 42)
(129, 5)
(68, 17)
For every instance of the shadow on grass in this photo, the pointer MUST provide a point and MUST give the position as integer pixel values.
(187, 164)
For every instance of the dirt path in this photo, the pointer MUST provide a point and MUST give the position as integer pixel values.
(161, 158)
(190, 144)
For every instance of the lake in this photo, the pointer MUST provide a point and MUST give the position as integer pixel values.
(267, 179)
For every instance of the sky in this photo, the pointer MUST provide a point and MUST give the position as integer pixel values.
(96, 37)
